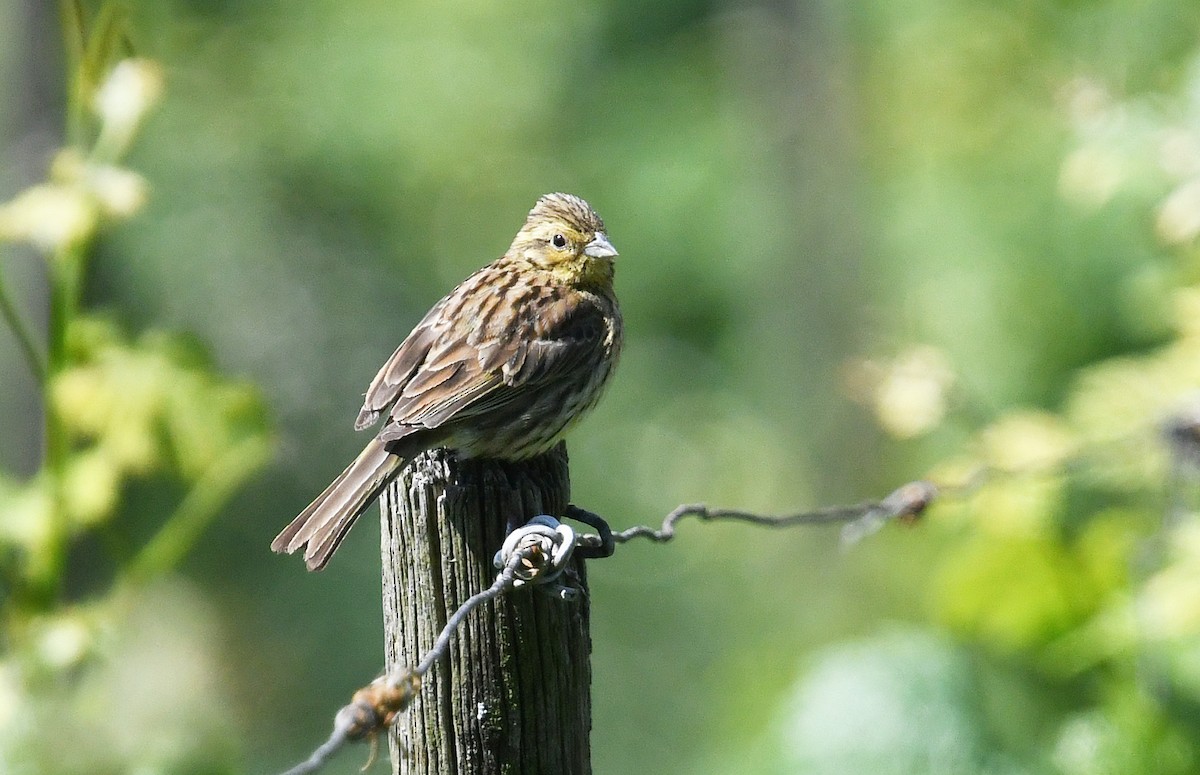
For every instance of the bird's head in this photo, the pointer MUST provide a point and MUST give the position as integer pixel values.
(565, 236)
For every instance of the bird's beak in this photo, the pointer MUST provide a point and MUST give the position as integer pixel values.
(599, 247)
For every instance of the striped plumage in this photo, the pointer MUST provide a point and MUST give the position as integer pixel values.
(501, 367)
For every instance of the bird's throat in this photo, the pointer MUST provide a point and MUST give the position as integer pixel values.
(587, 273)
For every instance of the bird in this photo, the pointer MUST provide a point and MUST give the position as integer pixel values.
(501, 367)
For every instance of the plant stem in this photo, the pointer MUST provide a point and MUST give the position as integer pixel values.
(185, 526)
(23, 335)
(71, 19)
(66, 270)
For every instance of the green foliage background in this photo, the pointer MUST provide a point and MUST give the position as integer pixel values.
(804, 194)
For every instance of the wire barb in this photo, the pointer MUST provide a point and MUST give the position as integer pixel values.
(371, 709)
(1182, 432)
(905, 504)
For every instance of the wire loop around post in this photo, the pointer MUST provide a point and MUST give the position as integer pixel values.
(547, 546)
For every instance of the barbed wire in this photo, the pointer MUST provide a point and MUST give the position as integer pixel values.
(537, 554)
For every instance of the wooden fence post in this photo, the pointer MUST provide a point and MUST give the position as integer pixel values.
(513, 693)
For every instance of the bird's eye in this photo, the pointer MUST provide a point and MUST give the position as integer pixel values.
(558, 241)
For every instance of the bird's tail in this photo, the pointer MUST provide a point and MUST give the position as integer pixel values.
(325, 522)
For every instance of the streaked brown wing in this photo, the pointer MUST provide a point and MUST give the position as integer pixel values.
(429, 356)
(443, 387)
(400, 368)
